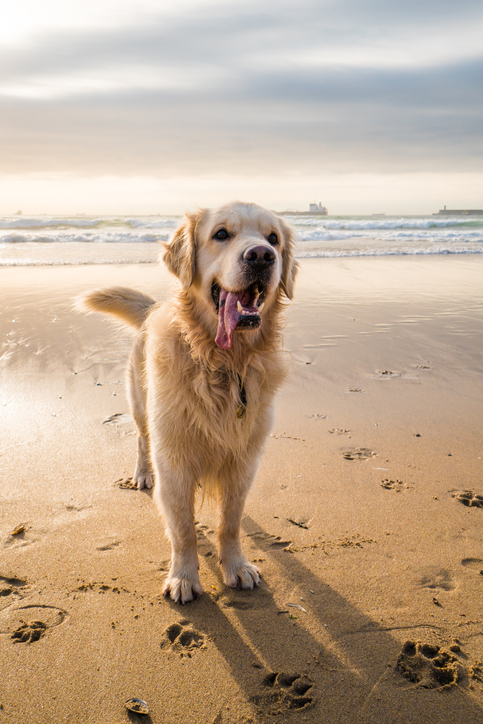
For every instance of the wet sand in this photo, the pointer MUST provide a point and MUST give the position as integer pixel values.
(365, 516)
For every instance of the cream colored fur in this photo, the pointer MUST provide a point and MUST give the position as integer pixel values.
(185, 390)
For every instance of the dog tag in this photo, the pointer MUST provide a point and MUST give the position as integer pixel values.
(240, 410)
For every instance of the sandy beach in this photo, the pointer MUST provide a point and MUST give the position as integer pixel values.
(365, 517)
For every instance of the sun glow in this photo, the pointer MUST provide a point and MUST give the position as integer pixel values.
(24, 19)
(60, 194)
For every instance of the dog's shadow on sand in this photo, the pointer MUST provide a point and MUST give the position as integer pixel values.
(343, 673)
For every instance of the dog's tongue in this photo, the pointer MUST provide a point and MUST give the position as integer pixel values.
(228, 317)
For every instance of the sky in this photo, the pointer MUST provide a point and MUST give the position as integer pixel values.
(156, 106)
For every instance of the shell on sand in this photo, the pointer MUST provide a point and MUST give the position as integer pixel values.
(137, 705)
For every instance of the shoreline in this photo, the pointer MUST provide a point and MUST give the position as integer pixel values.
(357, 517)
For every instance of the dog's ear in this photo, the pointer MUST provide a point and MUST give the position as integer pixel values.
(180, 253)
(289, 265)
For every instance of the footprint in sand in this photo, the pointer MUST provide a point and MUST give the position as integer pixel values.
(396, 485)
(121, 423)
(29, 632)
(386, 374)
(358, 453)
(26, 624)
(437, 578)
(109, 546)
(183, 639)
(284, 691)
(11, 585)
(126, 484)
(474, 564)
(277, 542)
(205, 546)
(429, 666)
(271, 541)
(245, 600)
(204, 528)
(238, 605)
(469, 498)
(98, 587)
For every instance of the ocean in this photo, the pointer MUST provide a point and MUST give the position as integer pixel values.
(44, 240)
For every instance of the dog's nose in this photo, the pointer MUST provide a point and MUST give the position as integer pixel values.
(259, 256)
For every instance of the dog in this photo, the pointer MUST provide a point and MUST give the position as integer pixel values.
(202, 375)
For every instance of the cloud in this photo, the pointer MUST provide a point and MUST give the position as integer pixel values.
(340, 85)
(236, 37)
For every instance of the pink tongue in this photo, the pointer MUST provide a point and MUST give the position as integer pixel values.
(228, 316)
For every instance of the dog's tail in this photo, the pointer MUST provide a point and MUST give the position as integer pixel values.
(130, 306)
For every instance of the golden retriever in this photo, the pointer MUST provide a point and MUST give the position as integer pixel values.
(202, 375)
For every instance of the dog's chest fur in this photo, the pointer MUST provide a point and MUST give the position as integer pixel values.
(224, 404)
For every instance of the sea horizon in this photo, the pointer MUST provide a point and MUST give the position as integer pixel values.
(30, 240)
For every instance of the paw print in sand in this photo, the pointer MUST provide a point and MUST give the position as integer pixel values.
(284, 692)
(27, 633)
(428, 666)
(183, 638)
(469, 498)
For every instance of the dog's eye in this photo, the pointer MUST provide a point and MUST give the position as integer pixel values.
(221, 235)
(273, 239)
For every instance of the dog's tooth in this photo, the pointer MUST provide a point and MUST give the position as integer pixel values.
(239, 306)
(261, 306)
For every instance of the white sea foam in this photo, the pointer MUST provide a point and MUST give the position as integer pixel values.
(108, 240)
(104, 237)
(21, 222)
(392, 223)
(47, 222)
(401, 251)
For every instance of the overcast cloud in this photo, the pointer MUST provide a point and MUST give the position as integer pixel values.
(343, 86)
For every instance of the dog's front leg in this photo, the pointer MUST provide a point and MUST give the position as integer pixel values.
(234, 485)
(175, 498)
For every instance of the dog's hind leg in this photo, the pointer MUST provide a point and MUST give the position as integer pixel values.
(143, 474)
(234, 483)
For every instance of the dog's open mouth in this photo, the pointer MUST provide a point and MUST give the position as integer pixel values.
(236, 310)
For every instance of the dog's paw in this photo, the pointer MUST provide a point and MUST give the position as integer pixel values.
(143, 480)
(239, 573)
(182, 588)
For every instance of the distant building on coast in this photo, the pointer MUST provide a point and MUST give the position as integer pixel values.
(459, 212)
(318, 209)
(314, 210)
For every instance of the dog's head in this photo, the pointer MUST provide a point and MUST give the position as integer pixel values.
(236, 261)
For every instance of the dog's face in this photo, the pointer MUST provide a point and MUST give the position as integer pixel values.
(235, 261)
